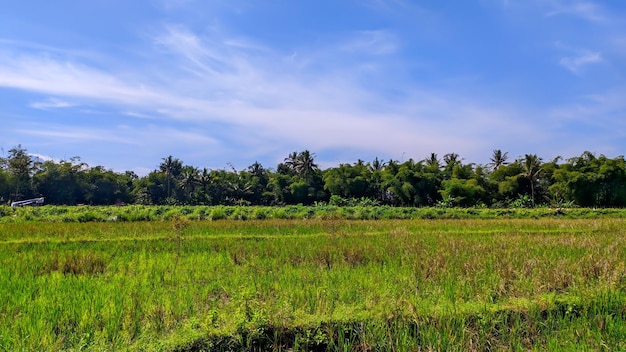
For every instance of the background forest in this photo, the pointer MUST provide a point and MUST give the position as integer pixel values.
(587, 181)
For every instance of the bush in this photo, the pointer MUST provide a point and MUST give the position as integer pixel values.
(218, 213)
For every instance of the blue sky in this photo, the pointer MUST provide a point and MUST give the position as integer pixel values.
(124, 84)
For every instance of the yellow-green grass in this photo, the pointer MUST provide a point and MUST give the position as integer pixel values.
(275, 284)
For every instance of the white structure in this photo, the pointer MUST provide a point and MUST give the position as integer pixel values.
(34, 201)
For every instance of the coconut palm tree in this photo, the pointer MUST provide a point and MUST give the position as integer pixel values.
(188, 182)
(432, 162)
(171, 167)
(203, 179)
(257, 170)
(532, 171)
(291, 161)
(377, 165)
(498, 159)
(305, 164)
(451, 159)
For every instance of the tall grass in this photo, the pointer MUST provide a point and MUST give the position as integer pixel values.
(279, 284)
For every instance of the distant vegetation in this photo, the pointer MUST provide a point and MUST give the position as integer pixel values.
(143, 213)
(585, 181)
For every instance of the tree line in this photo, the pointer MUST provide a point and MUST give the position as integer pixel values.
(587, 180)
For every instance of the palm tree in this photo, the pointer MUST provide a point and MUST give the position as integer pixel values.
(377, 165)
(188, 181)
(256, 169)
(532, 171)
(498, 159)
(305, 165)
(171, 167)
(292, 161)
(432, 161)
(204, 179)
(451, 159)
(240, 187)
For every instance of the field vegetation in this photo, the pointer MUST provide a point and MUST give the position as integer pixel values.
(160, 213)
(320, 281)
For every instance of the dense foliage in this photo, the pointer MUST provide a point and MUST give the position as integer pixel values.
(143, 213)
(586, 181)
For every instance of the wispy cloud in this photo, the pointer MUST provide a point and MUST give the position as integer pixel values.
(595, 122)
(123, 134)
(602, 109)
(267, 100)
(575, 64)
(41, 74)
(52, 103)
(577, 59)
(584, 9)
(66, 134)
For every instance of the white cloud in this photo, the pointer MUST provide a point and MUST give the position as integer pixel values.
(68, 134)
(577, 58)
(603, 110)
(52, 103)
(575, 64)
(267, 100)
(584, 9)
(124, 134)
(70, 79)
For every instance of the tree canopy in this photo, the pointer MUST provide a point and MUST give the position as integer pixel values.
(587, 180)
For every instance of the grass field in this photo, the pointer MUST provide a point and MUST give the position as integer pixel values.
(314, 284)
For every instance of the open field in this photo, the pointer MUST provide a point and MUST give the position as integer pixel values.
(314, 284)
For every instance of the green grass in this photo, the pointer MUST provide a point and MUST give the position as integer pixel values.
(313, 284)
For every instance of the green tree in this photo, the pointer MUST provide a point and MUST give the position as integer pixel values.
(5, 188)
(451, 160)
(411, 183)
(432, 162)
(291, 163)
(504, 184)
(498, 159)
(171, 167)
(588, 180)
(463, 192)
(376, 170)
(298, 180)
(203, 180)
(305, 164)
(20, 166)
(62, 182)
(531, 165)
(105, 187)
(259, 178)
(350, 181)
(220, 187)
(186, 182)
(151, 189)
(241, 187)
